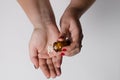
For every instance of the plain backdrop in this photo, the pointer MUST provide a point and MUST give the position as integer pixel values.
(100, 55)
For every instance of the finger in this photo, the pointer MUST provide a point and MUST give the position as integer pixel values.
(64, 29)
(44, 67)
(69, 49)
(74, 52)
(76, 31)
(57, 69)
(62, 36)
(58, 60)
(34, 58)
(51, 68)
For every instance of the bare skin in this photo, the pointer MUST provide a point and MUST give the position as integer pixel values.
(46, 32)
(70, 24)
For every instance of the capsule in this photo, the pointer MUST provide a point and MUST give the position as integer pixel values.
(57, 46)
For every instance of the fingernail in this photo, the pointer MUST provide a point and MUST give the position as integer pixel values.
(58, 73)
(62, 54)
(35, 67)
(64, 49)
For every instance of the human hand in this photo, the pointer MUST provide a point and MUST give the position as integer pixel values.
(41, 38)
(70, 25)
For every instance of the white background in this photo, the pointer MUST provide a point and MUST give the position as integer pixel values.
(98, 60)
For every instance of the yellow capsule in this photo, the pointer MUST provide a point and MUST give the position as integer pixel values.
(57, 46)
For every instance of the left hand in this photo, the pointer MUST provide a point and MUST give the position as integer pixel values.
(41, 38)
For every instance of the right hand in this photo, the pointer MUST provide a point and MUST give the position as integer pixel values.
(70, 25)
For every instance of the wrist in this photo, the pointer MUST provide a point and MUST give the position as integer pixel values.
(45, 12)
(39, 27)
(78, 7)
(43, 26)
(73, 11)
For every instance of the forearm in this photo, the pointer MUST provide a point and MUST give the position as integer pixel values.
(38, 11)
(78, 7)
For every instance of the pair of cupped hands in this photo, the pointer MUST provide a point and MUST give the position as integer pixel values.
(46, 34)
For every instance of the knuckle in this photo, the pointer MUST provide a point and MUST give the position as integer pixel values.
(54, 62)
(49, 62)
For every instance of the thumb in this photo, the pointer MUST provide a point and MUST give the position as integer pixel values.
(34, 58)
(64, 31)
